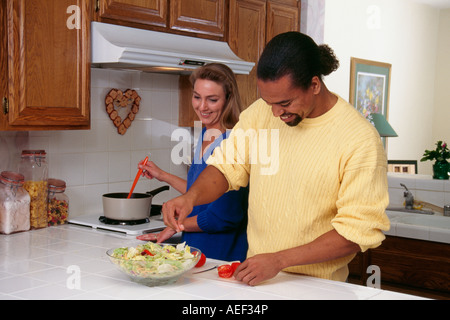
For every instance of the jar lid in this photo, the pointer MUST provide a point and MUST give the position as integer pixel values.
(12, 178)
(56, 185)
(29, 153)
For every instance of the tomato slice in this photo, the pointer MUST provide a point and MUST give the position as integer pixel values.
(235, 265)
(201, 261)
(225, 271)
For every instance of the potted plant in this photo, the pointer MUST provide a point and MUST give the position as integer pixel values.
(440, 155)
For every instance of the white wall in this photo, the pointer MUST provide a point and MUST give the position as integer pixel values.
(441, 119)
(406, 35)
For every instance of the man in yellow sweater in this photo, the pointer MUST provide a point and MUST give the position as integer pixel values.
(325, 198)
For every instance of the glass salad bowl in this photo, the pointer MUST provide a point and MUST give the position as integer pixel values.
(154, 264)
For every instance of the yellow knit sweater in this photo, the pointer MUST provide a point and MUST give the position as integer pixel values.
(326, 173)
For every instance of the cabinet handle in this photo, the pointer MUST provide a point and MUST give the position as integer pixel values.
(5, 105)
(97, 5)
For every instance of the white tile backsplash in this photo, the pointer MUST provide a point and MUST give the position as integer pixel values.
(98, 139)
(141, 135)
(97, 161)
(69, 167)
(96, 168)
(119, 166)
(161, 134)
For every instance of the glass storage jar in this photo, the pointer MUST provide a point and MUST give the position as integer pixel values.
(58, 202)
(14, 203)
(33, 166)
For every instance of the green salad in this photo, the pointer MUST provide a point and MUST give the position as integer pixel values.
(154, 260)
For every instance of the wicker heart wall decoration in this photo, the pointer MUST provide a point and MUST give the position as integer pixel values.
(122, 108)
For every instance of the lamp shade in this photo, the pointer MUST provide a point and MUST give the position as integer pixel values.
(383, 127)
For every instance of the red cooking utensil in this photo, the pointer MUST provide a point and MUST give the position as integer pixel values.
(137, 178)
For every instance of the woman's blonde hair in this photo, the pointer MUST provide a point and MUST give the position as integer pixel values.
(222, 75)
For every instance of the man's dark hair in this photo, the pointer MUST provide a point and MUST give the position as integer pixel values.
(296, 54)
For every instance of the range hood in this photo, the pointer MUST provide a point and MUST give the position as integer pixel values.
(122, 47)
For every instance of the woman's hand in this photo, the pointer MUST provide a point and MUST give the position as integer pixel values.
(167, 233)
(151, 170)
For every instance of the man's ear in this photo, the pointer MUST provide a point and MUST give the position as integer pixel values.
(316, 85)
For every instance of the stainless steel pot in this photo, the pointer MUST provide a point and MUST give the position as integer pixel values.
(116, 205)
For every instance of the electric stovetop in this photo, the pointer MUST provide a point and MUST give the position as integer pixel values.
(97, 221)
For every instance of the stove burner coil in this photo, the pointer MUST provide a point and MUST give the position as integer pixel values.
(114, 222)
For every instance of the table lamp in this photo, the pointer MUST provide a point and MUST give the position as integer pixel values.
(383, 127)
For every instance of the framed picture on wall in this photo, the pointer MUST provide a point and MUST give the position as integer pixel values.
(402, 166)
(369, 86)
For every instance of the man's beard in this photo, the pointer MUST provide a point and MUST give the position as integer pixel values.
(295, 122)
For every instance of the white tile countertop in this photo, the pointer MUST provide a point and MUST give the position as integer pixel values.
(42, 264)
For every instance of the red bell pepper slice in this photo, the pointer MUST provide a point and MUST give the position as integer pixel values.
(146, 252)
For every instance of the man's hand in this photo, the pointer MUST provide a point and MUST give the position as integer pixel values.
(209, 186)
(257, 269)
(175, 211)
(327, 247)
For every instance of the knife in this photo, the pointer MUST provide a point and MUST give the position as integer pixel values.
(206, 270)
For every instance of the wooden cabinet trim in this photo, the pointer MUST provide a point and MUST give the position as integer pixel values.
(186, 113)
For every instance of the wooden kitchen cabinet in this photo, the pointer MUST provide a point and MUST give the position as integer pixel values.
(247, 38)
(407, 265)
(186, 113)
(253, 23)
(135, 13)
(201, 18)
(282, 17)
(45, 64)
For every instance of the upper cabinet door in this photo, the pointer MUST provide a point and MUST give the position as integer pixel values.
(48, 64)
(247, 39)
(252, 24)
(281, 18)
(202, 18)
(143, 12)
(199, 16)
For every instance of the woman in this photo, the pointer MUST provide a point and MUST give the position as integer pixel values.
(218, 229)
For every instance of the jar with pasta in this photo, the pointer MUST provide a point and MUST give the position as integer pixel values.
(58, 202)
(33, 166)
(14, 203)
